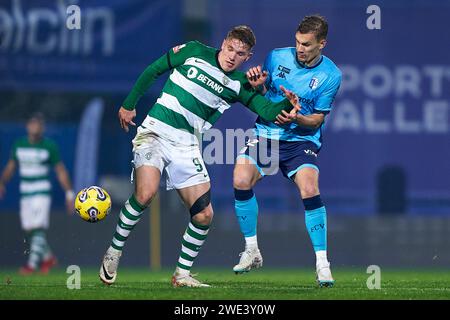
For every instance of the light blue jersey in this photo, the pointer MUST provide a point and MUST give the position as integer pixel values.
(315, 86)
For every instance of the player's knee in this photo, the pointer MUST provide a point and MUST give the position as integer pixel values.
(144, 197)
(242, 181)
(309, 191)
(201, 211)
(204, 217)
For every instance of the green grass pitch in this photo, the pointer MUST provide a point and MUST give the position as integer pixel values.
(262, 284)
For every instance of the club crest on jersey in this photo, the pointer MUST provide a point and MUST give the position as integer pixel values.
(178, 48)
(314, 83)
(225, 80)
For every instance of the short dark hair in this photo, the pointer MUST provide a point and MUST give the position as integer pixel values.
(243, 33)
(37, 116)
(314, 24)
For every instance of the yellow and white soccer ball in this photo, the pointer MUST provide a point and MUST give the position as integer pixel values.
(93, 204)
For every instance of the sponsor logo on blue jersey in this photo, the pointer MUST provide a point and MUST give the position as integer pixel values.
(283, 71)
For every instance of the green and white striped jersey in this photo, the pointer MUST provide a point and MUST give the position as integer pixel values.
(34, 162)
(198, 91)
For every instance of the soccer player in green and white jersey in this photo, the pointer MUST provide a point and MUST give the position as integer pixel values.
(34, 155)
(203, 83)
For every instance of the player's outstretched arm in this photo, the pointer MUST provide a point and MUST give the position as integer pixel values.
(175, 57)
(269, 110)
(145, 80)
(127, 111)
(7, 174)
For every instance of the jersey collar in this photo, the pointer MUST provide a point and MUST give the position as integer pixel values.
(309, 67)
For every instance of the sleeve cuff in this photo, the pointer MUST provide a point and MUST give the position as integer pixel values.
(70, 195)
(128, 106)
(325, 112)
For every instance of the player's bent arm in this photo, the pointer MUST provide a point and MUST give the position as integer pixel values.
(265, 108)
(313, 121)
(7, 174)
(172, 59)
(145, 80)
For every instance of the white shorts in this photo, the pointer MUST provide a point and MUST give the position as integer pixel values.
(35, 212)
(183, 164)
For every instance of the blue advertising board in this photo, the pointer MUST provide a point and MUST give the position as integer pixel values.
(41, 47)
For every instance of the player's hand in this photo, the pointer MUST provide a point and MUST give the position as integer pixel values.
(285, 117)
(126, 118)
(256, 76)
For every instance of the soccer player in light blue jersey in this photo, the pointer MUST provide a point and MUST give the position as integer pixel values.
(294, 139)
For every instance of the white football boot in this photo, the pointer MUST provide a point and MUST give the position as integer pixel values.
(323, 274)
(108, 269)
(187, 280)
(250, 259)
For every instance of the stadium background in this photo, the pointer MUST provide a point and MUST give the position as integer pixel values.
(384, 165)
